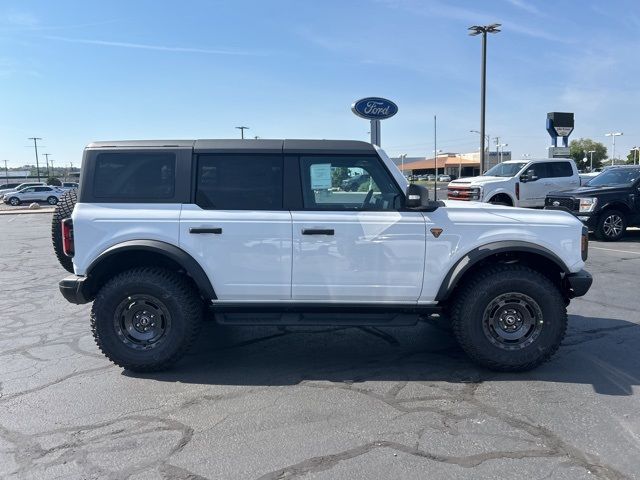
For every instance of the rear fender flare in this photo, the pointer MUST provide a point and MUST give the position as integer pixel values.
(177, 255)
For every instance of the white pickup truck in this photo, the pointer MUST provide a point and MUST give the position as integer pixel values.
(518, 183)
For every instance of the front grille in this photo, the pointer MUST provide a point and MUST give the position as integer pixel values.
(564, 202)
(458, 193)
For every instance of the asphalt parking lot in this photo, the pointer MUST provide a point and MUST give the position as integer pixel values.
(333, 403)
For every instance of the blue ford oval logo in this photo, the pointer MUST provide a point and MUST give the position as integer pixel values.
(374, 108)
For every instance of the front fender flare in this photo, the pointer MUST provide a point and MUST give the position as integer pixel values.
(478, 254)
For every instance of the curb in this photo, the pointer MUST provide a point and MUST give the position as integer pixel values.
(27, 211)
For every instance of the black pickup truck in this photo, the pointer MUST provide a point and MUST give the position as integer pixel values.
(607, 204)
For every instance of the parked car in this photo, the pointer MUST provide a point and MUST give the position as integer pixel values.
(66, 186)
(8, 186)
(51, 195)
(607, 204)
(255, 249)
(444, 178)
(20, 187)
(353, 183)
(431, 178)
(518, 183)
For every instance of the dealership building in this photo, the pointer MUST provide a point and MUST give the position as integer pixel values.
(454, 164)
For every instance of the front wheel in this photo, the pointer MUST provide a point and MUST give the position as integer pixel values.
(15, 201)
(611, 226)
(145, 319)
(509, 318)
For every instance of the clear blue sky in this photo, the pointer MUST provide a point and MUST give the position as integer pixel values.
(77, 71)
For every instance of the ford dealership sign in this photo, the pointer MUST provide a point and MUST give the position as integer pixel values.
(374, 108)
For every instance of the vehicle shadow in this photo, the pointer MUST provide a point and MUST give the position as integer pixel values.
(592, 353)
(629, 236)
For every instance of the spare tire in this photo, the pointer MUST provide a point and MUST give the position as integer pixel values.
(63, 210)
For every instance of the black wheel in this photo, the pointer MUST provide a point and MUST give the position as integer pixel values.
(15, 201)
(611, 225)
(64, 209)
(52, 200)
(501, 199)
(509, 318)
(145, 319)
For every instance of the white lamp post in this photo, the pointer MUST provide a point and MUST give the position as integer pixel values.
(613, 135)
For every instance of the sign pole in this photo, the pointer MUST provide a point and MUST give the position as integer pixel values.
(375, 132)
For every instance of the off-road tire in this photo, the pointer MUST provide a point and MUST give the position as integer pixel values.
(475, 295)
(174, 291)
(63, 210)
(600, 231)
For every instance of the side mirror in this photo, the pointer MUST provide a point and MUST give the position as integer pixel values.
(417, 198)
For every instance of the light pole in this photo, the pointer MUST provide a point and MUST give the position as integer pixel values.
(635, 153)
(35, 146)
(46, 156)
(402, 157)
(473, 31)
(6, 171)
(486, 137)
(591, 152)
(613, 135)
(501, 146)
(242, 129)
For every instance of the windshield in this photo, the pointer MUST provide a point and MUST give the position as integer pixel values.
(505, 169)
(615, 176)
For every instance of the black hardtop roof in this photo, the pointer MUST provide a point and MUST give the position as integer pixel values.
(246, 145)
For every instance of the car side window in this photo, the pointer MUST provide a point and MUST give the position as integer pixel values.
(28, 190)
(539, 170)
(343, 182)
(560, 169)
(134, 176)
(239, 182)
(43, 189)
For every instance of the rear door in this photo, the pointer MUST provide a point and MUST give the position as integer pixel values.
(354, 246)
(42, 193)
(237, 228)
(562, 176)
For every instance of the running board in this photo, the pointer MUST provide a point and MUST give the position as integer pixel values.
(321, 314)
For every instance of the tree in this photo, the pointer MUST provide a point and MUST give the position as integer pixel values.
(579, 150)
(54, 182)
(633, 157)
(338, 174)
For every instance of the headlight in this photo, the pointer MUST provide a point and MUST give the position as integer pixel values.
(587, 204)
(475, 193)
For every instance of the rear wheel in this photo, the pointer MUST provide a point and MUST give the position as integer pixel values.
(52, 200)
(145, 319)
(64, 209)
(509, 318)
(611, 225)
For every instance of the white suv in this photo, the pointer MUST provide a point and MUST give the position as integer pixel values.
(41, 193)
(518, 183)
(260, 232)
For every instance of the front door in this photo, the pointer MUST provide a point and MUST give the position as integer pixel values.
(237, 228)
(534, 191)
(352, 242)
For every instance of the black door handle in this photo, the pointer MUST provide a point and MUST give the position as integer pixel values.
(215, 230)
(318, 231)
